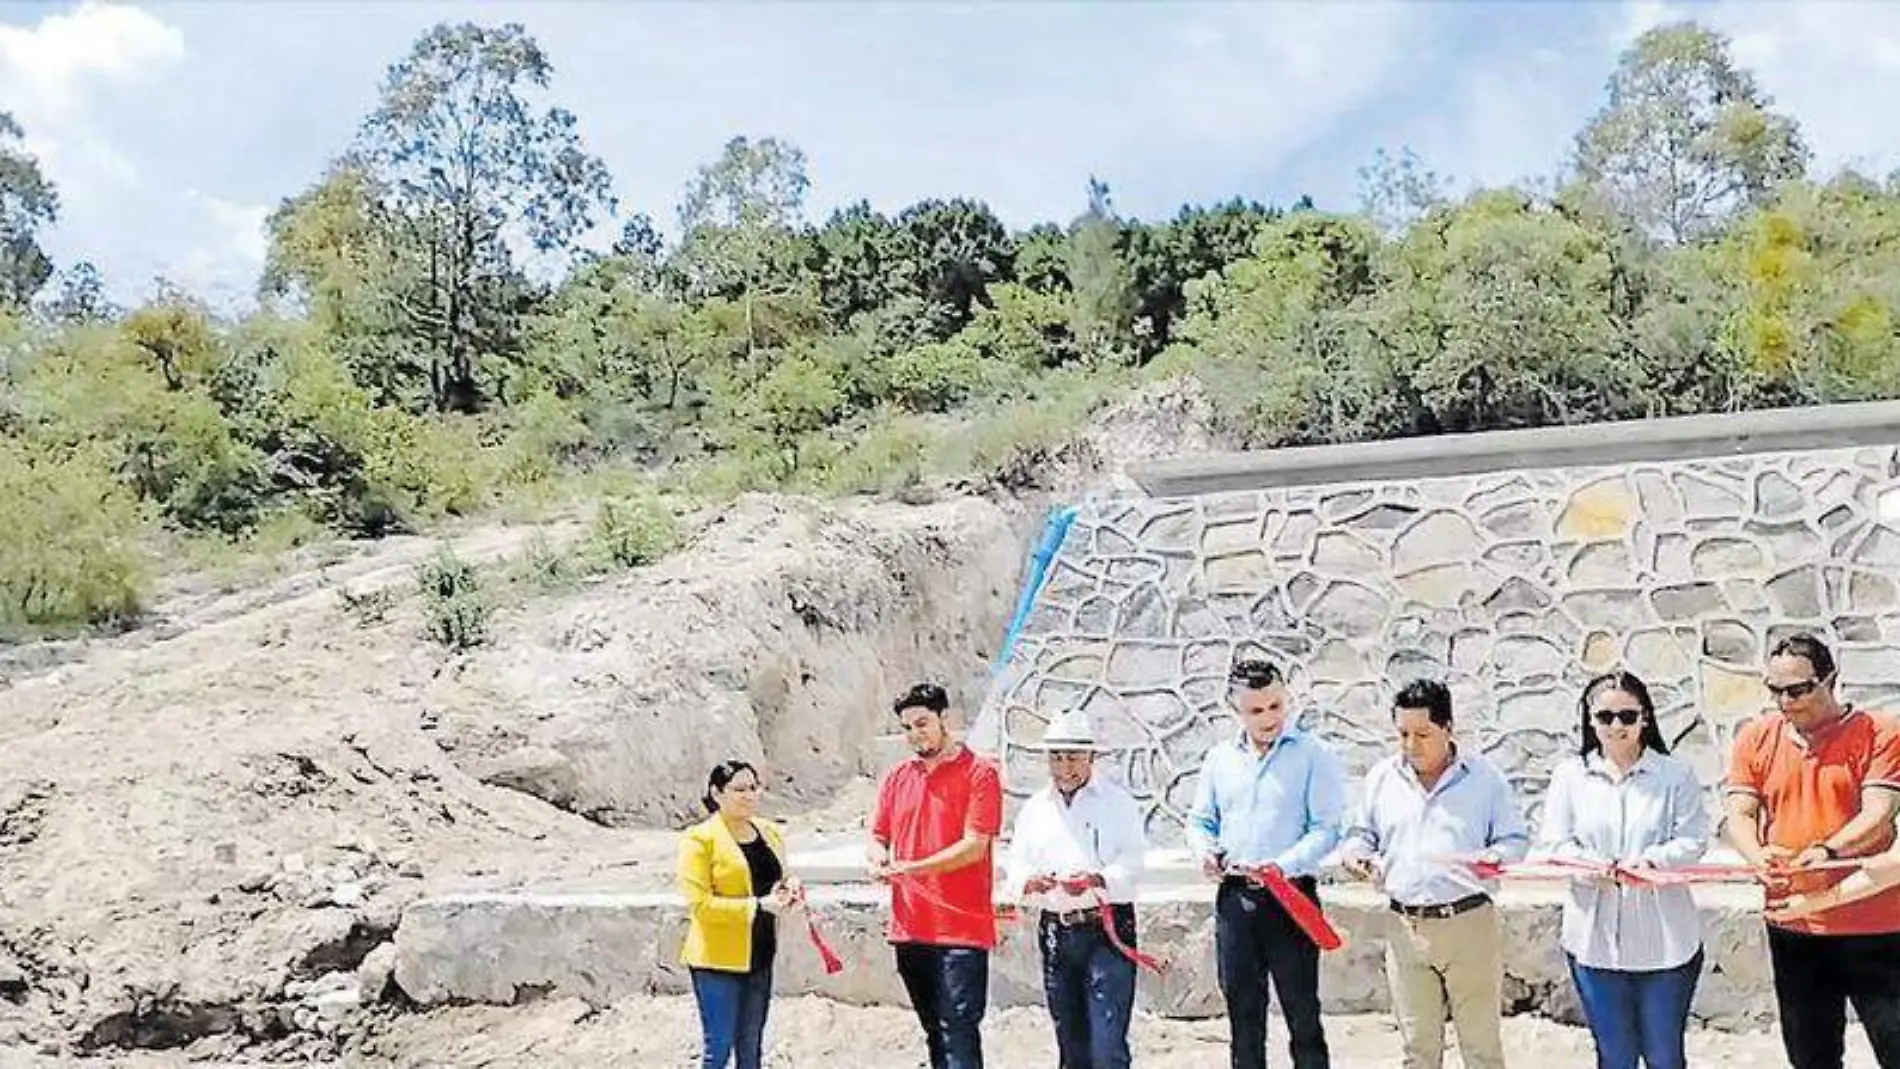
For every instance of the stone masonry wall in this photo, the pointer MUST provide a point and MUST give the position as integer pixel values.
(1513, 587)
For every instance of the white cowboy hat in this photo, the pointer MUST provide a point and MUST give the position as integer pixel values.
(1070, 730)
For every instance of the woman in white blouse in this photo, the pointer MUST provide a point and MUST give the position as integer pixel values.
(1635, 950)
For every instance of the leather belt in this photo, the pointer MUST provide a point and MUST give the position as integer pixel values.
(1073, 917)
(1442, 910)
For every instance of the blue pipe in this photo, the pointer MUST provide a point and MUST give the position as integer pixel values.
(1054, 531)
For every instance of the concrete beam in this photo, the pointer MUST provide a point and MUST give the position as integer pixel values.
(602, 947)
(1871, 423)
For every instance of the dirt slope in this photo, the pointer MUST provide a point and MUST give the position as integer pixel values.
(208, 824)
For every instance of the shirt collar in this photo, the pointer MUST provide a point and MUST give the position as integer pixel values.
(1088, 790)
(1600, 764)
(1289, 735)
(964, 756)
(1455, 770)
(1848, 713)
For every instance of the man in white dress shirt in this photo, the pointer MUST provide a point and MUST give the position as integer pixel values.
(1427, 804)
(1076, 843)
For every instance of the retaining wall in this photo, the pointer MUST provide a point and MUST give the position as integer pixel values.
(1679, 549)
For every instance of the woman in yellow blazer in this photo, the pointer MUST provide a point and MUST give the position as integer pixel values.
(732, 873)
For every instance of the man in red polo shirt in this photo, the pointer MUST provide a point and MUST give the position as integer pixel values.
(937, 814)
(1814, 781)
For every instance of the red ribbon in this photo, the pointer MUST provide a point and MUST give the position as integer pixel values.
(1563, 868)
(1304, 911)
(833, 964)
(1105, 913)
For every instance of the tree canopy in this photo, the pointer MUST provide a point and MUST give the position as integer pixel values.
(442, 322)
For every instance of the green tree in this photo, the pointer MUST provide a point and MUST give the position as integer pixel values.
(1686, 139)
(1099, 277)
(27, 203)
(1042, 258)
(68, 552)
(857, 256)
(957, 249)
(1282, 340)
(79, 296)
(1395, 193)
(741, 218)
(340, 259)
(1165, 257)
(1501, 313)
(470, 159)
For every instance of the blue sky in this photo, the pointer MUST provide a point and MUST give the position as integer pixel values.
(172, 129)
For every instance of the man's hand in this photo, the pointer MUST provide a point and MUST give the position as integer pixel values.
(1092, 880)
(1212, 867)
(1363, 869)
(1776, 857)
(1794, 907)
(1813, 855)
(886, 870)
(1039, 885)
(1775, 870)
(1629, 872)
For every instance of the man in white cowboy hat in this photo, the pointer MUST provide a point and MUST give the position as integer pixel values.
(1076, 843)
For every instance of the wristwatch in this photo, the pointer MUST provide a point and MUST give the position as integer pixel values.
(1832, 854)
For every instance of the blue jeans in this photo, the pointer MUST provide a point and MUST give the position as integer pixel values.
(1636, 1015)
(732, 1008)
(1090, 988)
(949, 990)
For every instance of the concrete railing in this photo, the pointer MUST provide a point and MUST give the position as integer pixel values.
(1871, 423)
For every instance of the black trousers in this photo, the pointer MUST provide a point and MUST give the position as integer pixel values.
(1816, 976)
(949, 991)
(1255, 942)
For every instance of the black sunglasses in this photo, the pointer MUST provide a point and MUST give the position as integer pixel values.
(1626, 717)
(1793, 691)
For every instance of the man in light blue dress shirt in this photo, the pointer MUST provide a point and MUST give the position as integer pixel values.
(1271, 795)
(1423, 809)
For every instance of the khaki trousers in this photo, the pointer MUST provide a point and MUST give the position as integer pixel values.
(1452, 963)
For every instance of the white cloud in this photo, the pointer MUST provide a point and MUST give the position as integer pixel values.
(51, 77)
(223, 262)
(1266, 80)
(48, 71)
(76, 80)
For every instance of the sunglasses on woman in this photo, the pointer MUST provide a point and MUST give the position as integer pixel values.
(1626, 717)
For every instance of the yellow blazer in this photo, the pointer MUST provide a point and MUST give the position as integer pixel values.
(720, 899)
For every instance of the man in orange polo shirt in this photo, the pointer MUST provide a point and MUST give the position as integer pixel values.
(937, 814)
(1814, 781)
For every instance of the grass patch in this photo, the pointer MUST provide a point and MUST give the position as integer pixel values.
(457, 606)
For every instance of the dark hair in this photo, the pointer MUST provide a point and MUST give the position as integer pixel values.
(1254, 674)
(922, 696)
(1808, 648)
(1631, 685)
(1429, 695)
(722, 775)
